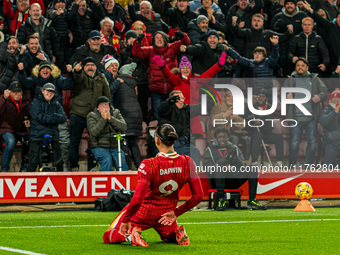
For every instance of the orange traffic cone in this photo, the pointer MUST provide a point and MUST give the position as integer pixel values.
(304, 206)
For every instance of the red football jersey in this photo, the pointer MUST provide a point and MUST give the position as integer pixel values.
(166, 174)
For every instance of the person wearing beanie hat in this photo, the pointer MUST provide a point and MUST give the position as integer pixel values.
(44, 64)
(159, 88)
(103, 123)
(181, 82)
(185, 66)
(201, 18)
(87, 60)
(89, 84)
(102, 99)
(108, 60)
(330, 122)
(130, 34)
(212, 38)
(197, 28)
(290, 1)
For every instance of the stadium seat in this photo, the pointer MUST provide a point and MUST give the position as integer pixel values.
(229, 194)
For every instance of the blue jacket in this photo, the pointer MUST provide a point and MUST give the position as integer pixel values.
(36, 82)
(45, 117)
(263, 69)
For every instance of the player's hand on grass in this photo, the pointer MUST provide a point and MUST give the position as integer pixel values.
(125, 229)
(168, 218)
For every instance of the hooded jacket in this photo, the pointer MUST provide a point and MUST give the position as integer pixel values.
(35, 82)
(168, 53)
(45, 117)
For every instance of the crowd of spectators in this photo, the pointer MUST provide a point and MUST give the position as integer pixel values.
(124, 52)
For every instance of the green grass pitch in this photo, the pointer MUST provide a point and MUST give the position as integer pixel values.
(275, 231)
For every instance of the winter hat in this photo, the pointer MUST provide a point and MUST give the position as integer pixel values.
(292, 1)
(43, 64)
(212, 32)
(88, 60)
(185, 62)
(200, 18)
(58, 1)
(109, 60)
(130, 33)
(102, 99)
(335, 93)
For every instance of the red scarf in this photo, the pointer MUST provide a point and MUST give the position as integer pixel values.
(115, 41)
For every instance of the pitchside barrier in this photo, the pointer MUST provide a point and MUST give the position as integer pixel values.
(88, 186)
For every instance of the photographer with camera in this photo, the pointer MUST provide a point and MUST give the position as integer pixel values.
(226, 161)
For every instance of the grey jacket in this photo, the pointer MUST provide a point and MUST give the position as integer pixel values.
(102, 131)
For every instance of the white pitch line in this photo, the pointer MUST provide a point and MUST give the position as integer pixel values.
(19, 251)
(186, 223)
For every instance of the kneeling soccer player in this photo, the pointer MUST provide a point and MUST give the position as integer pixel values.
(154, 202)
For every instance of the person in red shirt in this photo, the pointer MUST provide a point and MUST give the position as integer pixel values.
(154, 202)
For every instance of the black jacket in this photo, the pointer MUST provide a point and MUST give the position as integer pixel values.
(152, 26)
(334, 36)
(220, 24)
(267, 127)
(118, 13)
(258, 37)
(213, 157)
(81, 26)
(194, 32)
(236, 41)
(45, 117)
(125, 100)
(30, 60)
(178, 118)
(8, 66)
(84, 51)
(205, 57)
(282, 19)
(311, 48)
(141, 71)
(330, 122)
(59, 22)
(177, 18)
(48, 37)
